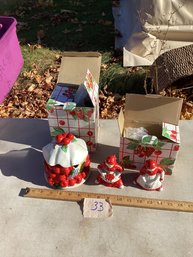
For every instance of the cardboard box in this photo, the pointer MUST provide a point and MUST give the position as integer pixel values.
(11, 60)
(160, 116)
(73, 106)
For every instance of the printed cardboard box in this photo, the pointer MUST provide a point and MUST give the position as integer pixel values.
(160, 116)
(73, 106)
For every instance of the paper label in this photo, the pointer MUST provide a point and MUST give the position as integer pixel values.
(171, 132)
(97, 208)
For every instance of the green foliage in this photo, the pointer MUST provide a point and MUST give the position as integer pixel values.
(123, 83)
(71, 25)
(106, 57)
(41, 57)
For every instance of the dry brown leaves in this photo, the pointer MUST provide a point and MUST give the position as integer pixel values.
(186, 94)
(110, 104)
(31, 101)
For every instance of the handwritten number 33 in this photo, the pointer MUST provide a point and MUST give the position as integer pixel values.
(98, 206)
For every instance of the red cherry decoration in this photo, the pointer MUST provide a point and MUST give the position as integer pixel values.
(72, 182)
(62, 122)
(87, 163)
(173, 136)
(176, 148)
(62, 177)
(64, 183)
(52, 175)
(50, 181)
(70, 136)
(158, 152)
(57, 170)
(83, 175)
(59, 138)
(78, 178)
(90, 133)
(66, 141)
(89, 143)
(65, 171)
(142, 154)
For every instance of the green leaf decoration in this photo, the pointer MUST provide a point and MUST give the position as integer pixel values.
(155, 142)
(57, 131)
(167, 161)
(72, 173)
(168, 170)
(86, 119)
(64, 148)
(149, 139)
(74, 140)
(126, 158)
(50, 103)
(146, 139)
(74, 116)
(159, 145)
(166, 135)
(132, 145)
(165, 130)
(69, 106)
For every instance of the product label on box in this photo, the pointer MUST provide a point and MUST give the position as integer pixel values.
(133, 154)
(171, 132)
(92, 88)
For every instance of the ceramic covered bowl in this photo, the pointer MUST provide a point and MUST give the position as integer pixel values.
(66, 161)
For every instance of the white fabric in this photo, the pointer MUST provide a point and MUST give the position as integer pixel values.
(151, 27)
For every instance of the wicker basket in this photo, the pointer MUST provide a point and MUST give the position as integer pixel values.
(172, 66)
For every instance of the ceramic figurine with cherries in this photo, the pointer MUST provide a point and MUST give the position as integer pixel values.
(110, 173)
(151, 176)
(66, 161)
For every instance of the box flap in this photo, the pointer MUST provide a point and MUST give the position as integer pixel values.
(121, 121)
(152, 108)
(91, 87)
(171, 132)
(74, 66)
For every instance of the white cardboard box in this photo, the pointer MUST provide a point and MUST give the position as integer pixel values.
(160, 116)
(73, 106)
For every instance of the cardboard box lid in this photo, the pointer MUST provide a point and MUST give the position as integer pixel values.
(74, 66)
(152, 108)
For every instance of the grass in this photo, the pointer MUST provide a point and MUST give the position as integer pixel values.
(41, 57)
(70, 25)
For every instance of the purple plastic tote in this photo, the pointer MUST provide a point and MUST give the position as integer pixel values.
(11, 60)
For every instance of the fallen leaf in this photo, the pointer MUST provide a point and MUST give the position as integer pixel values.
(32, 87)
